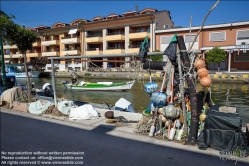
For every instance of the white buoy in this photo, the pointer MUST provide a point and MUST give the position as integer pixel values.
(179, 136)
(172, 132)
(152, 131)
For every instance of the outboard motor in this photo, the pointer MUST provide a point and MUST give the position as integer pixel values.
(64, 82)
(48, 90)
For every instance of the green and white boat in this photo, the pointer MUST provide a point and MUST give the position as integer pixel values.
(100, 86)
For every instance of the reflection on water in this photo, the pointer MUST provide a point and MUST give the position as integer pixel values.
(228, 94)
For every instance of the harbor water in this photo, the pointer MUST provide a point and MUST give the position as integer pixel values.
(226, 94)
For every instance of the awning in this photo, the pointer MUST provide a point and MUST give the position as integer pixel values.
(72, 31)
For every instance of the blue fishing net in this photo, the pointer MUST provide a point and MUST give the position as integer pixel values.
(150, 87)
(158, 99)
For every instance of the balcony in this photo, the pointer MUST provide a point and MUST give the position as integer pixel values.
(115, 36)
(17, 55)
(67, 51)
(94, 51)
(115, 50)
(37, 44)
(33, 54)
(134, 48)
(138, 34)
(70, 40)
(48, 42)
(94, 39)
(9, 47)
(50, 53)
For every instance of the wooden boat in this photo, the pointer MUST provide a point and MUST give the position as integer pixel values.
(100, 86)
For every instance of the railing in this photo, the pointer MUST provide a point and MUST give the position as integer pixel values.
(112, 48)
(50, 51)
(28, 52)
(135, 46)
(139, 31)
(50, 39)
(68, 49)
(69, 37)
(115, 33)
(96, 35)
(93, 49)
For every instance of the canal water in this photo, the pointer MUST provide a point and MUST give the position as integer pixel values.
(227, 94)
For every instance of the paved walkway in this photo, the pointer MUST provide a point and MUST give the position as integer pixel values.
(126, 131)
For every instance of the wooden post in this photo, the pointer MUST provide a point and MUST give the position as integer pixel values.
(192, 93)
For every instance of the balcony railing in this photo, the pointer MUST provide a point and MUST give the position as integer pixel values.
(28, 52)
(115, 33)
(69, 37)
(68, 49)
(93, 49)
(135, 46)
(95, 35)
(138, 31)
(50, 39)
(112, 48)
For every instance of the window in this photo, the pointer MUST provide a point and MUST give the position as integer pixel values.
(242, 57)
(217, 36)
(190, 38)
(166, 39)
(244, 34)
(139, 29)
(166, 26)
(148, 29)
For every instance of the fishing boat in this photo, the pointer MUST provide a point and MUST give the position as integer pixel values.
(100, 86)
(18, 71)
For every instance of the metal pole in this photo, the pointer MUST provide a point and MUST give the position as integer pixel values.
(53, 83)
(3, 65)
(105, 56)
(189, 33)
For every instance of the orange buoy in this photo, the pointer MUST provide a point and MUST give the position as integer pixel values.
(202, 72)
(199, 63)
(205, 81)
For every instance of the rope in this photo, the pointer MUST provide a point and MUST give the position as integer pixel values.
(209, 89)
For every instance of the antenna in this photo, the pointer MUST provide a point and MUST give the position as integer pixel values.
(137, 8)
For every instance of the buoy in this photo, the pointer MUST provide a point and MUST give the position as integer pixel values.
(179, 136)
(205, 81)
(202, 72)
(199, 63)
(172, 132)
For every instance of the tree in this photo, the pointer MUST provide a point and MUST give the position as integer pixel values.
(6, 26)
(156, 58)
(216, 55)
(24, 40)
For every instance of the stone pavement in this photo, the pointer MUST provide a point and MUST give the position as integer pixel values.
(126, 131)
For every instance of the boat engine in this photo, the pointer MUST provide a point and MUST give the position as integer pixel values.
(48, 90)
(64, 82)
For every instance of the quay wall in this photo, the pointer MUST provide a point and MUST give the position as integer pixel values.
(216, 77)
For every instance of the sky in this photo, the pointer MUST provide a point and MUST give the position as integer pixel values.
(33, 13)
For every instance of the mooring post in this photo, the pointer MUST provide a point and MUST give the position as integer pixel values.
(53, 82)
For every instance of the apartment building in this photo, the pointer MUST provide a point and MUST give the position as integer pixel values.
(110, 35)
(232, 37)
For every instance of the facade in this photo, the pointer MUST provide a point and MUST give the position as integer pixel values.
(113, 34)
(232, 37)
